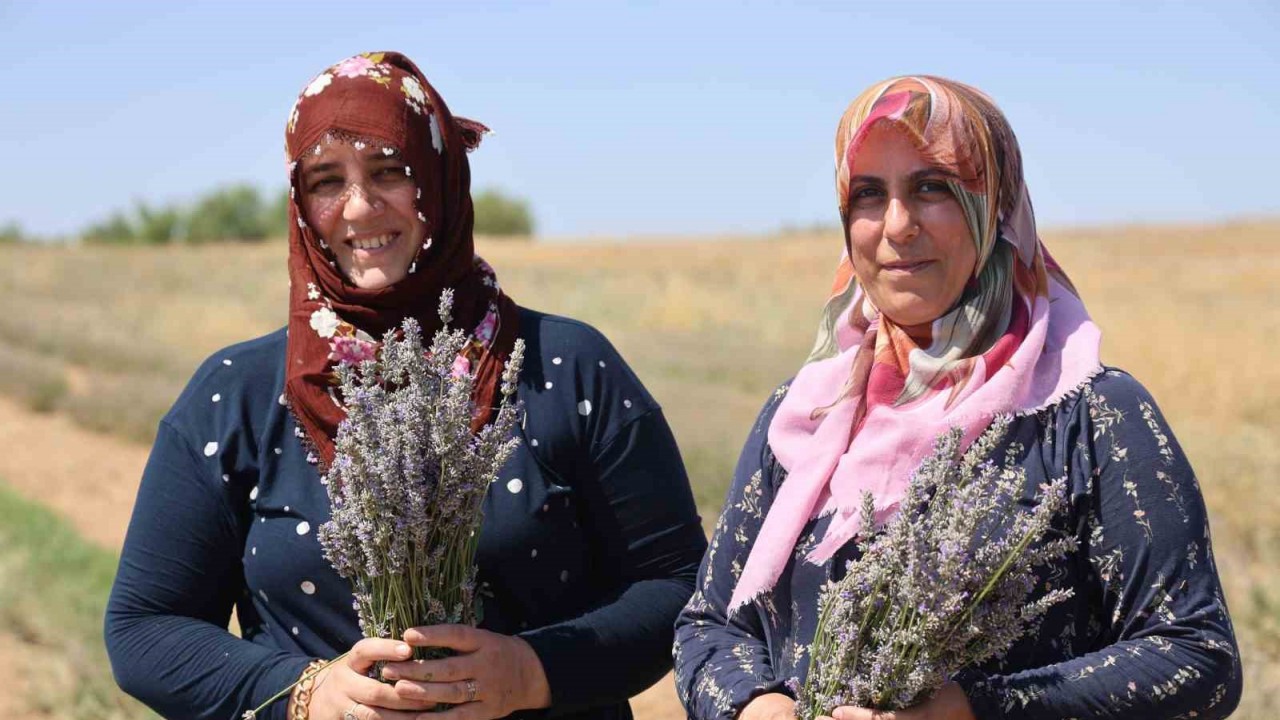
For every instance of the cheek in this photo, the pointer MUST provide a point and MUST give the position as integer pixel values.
(864, 239)
(321, 214)
(950, 233)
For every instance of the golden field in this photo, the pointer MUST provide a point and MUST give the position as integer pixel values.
(108, 336)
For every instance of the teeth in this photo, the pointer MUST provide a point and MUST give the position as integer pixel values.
(372, 243)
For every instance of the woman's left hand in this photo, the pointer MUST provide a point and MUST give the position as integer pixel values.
(491, 676)
(949, 703)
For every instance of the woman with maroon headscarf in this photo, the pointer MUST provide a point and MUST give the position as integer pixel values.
(590, 541)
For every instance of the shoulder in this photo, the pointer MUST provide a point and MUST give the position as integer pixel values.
(574, 384)
(247, 373)
(770, 408)
(1115, 405)
(1116, 387)
(563, 336)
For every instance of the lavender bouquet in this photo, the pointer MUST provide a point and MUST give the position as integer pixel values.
(409, 478)
(945, 584)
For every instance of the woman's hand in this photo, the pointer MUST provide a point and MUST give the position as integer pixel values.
(491, 676)
(949, 703)
(770, 706)
(346, 686)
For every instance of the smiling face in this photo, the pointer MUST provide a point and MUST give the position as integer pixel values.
(908, 239)
(362, 202)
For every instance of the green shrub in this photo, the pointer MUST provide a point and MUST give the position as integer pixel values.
(11, 233)
(157, 226)
(232, 213)
(116, 229)
(498, 214)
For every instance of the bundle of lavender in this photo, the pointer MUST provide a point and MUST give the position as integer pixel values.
(409, 478)
(945, 584)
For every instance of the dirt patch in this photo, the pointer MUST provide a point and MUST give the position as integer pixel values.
(88, 478)
(91, 480)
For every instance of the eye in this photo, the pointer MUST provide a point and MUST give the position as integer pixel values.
(865, 195)
(327, 182)
(390, 172)
(931, 187)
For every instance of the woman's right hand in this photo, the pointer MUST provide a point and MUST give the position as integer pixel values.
(345, 685)
(770, 706)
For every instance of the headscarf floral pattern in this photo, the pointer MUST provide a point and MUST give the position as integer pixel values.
(870, 400)
(383, 100)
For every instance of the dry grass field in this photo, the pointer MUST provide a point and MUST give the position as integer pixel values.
(107, 337)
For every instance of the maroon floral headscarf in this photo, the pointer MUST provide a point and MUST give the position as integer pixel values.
(383, 100)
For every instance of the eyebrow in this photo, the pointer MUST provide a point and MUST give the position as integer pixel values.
(371, 157)
(914, 177)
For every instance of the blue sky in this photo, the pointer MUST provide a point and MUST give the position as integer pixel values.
(647, 118)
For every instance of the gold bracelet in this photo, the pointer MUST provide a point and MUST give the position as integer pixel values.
(301, 696)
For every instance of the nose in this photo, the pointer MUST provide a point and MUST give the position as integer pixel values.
(899, 223)
(359, 204)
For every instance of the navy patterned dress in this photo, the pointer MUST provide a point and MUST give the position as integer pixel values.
(589, 548)
(1146, 634)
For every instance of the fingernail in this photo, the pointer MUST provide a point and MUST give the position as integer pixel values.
(403, 649)
(389, 674)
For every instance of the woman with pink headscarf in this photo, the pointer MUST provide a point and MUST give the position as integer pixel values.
(948, 312)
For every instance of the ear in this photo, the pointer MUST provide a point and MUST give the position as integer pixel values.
(471, 132)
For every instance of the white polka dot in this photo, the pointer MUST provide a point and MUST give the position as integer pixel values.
(294, 630)
(263, 593)
(254, 551)
(281, 399)
(626, 404)
(226, 478)
(564, 576)
(601, 363)
(217, 397)
(546, 508)
(262, 520)
(210, 448)
(226, 362)
(556, 361)
(534, 442)
(308, 587)
(534, 553)
(278, 451)
(515, 485)
(549, 385)
(303, 528)
(253, 494)
(286, 508)
(584, 408)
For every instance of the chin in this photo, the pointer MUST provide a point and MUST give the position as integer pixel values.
(376, 280)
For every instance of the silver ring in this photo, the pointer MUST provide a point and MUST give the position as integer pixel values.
(350, 714)
(471, 690)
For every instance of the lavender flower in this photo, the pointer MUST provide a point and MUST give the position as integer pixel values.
(943, 585)
(409, 478)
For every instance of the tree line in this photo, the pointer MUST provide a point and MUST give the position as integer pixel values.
(242, 213)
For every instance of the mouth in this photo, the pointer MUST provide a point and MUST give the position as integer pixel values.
(371, 245)
(907, 267)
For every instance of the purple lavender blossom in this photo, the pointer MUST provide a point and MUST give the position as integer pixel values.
(409, 478)
(945, 584)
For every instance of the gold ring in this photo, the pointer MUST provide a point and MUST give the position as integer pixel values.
(471, 691)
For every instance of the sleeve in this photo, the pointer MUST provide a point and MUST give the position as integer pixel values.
(179, 577)
(1168, 648)
(641, 514)
(722, 662)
